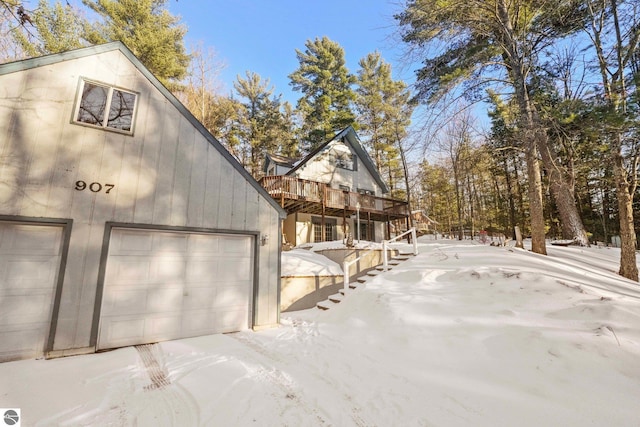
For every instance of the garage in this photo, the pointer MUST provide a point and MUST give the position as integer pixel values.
(162, 285)
(117, 233)
(30, 259)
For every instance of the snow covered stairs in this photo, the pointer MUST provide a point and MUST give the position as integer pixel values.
(337, 298)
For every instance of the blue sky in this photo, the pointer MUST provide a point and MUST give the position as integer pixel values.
(262, 35)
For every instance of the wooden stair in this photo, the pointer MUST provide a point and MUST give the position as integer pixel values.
(342, 294)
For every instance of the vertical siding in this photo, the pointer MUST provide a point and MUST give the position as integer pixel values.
(182, 172)
(67, 169)
(147, 133)
(239, 202)
(166, 173)
(197, 185)
(68, 320)
(225, 200)
(322, 168)
(267, 298)
(213, 189)
(252, 211)
(86, 301)
(89, 171)
(165, 178)
(36, 146)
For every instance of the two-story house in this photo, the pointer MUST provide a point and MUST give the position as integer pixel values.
(334, 191)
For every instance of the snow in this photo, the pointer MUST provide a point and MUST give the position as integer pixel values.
(461, 335)
(339, 244)
(302, 262)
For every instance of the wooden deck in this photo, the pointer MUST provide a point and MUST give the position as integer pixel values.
(300, 195)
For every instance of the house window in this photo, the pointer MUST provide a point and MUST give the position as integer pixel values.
(330, 225)
(366, 231)
(346, 161)
(106, 107)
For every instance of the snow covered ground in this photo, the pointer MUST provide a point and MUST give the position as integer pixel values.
(461, 335)
(297, 262)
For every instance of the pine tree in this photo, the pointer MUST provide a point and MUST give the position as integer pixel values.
(148, 29)
(262, 125)
(59, 28)
(615, 59)
(475, 40)
(325, 84)
(373, 77)
(385, 110)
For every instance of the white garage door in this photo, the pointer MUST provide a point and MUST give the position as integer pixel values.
(29, 264)
(166, 285)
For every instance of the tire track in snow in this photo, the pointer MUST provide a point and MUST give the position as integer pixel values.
(170, 404)
(278, 377)
(139, 395)
(155, 369)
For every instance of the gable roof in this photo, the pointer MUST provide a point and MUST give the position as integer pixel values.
(278, 160)
(347, 135)
(26, 64)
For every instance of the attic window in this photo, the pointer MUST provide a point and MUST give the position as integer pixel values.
(346, 161)
(106, 107)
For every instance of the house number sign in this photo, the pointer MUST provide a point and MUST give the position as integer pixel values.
(94, 187)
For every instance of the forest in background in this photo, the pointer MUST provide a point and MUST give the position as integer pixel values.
(556, 154)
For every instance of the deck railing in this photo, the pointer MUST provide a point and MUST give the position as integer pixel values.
(385, 246)
(385, 257)
(289, 187)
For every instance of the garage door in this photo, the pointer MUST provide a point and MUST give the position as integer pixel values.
(29, 264)
(166, 285)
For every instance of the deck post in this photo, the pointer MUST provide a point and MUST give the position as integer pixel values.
(408, 235)
(344, 222)
(388, 228)
(323, 232)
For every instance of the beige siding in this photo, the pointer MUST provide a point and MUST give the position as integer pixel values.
(304, 230)
(166, 174)
(289, 229)
(322, 168)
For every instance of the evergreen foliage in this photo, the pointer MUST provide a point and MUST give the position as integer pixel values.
(59, 28)
(384, 115)
(262, 126)
(325, 84)
(148, 29)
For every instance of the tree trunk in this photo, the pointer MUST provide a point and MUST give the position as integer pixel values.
(628, 265)
(530, 133)
(615, 91)
(536, 210)
(405, 168)
(512, 204)
(471, 210)
(520, 200)
(459, 203)
(563, 194)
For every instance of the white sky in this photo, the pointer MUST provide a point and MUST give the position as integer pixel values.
(461, 335)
